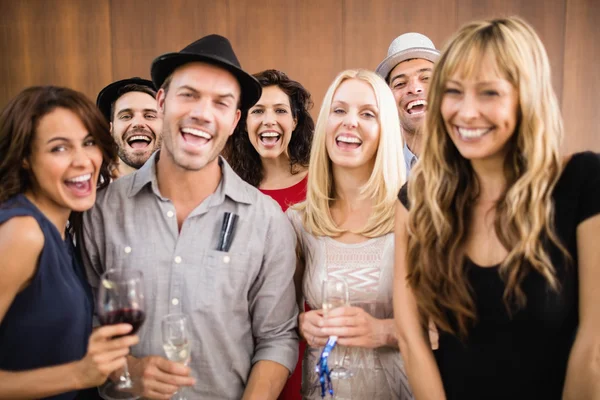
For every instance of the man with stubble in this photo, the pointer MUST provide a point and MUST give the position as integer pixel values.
(407, 69)
(129, 105)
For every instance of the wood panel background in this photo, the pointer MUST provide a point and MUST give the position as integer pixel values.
(88, 44)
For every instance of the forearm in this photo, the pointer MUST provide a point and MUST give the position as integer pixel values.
(266, 381)
(583, 372)
(38, 383)
(422, 371)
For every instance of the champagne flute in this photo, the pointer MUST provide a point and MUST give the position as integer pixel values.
(121, 300)
(335, 294)
(176, 343)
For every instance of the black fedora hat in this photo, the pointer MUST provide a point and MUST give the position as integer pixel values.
(212, 49)
(108, 95)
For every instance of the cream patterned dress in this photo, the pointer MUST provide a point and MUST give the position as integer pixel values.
(367, 267)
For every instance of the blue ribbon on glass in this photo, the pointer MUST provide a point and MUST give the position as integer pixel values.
(322, 368)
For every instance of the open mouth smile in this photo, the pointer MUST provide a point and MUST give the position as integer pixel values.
(470, 134)
(270, 138)
(348, 142)
(195, 136)
(139, 141)
(416, 107)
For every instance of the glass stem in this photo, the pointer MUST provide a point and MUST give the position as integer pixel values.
(125, 379)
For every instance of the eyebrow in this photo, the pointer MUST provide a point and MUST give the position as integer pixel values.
(130, 110)
(362, 105)
(219, 95)
(482, 83)
(420, 71)
(274, 105)
(64, 139)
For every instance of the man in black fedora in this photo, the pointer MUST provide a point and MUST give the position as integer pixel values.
(129, 105)
(210, 246)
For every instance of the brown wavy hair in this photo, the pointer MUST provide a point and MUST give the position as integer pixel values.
(443, 187)
(243, 157)
(18, 124)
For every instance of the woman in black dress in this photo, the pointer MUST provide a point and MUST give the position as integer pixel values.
(499, 248)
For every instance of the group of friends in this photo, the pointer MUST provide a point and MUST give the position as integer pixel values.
(433, 186)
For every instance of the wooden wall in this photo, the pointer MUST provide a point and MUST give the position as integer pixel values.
(88, 44)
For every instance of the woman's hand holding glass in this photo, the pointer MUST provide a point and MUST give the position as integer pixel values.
(105, 354)
(311, 324)
(355, 327)
(121, 299)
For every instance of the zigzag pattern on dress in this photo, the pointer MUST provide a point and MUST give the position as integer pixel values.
(360, 269)
(364, 279)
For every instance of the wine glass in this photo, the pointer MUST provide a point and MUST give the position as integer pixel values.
(335, 294)
(121, 300)
(176, 342)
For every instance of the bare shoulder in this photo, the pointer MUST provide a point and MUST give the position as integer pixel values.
(22, 231)
(21, 242)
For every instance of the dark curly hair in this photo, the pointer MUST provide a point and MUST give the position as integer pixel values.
(19, 121)
(243, 157)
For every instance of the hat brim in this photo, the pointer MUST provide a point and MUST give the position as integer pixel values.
(108, 95)
(387, 65)
(164, 65)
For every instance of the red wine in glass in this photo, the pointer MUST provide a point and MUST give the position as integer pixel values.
(131, 316)
(121, 300)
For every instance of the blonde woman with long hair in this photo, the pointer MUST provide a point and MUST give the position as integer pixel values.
(499, 247)
(345, 231)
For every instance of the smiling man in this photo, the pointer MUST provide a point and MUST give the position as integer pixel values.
(129, 105)
(171, 220)
(407, 69)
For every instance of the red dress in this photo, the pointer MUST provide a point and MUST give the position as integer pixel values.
(290, 195)
(287, 197)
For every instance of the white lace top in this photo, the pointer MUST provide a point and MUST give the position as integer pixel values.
(367, 267)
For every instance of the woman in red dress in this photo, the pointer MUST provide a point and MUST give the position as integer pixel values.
(270, 150)
(271, 145)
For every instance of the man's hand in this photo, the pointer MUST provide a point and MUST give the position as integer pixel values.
(158, 378)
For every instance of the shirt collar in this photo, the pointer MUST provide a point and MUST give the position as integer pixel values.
(409, 156)
(145, 175)
(231, 184)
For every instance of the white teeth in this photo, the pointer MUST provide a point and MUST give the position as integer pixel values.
(197, 132)
(348, 139)
(472, 133)
(81, 178)
(139, 137)
(416, 103)
(270, 134)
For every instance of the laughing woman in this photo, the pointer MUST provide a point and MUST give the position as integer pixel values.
(500, 246)
(55, 147)
(345, 231)
(270, 148)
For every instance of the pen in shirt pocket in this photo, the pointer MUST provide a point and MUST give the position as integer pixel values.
(227, 231)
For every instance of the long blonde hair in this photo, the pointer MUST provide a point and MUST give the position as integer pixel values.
(443, 186)
(388, 173)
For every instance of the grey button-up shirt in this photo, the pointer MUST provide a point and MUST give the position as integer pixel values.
(409, 158)
(241, 303)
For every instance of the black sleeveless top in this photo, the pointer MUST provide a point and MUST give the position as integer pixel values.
(50, 321)
(525, 356)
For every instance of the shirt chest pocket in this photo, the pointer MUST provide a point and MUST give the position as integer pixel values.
(221, 279)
